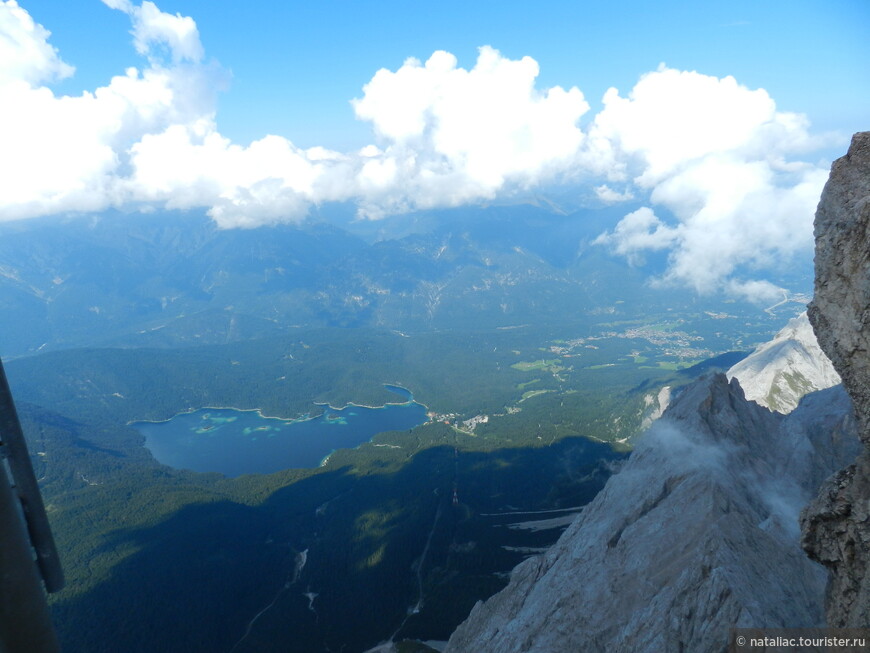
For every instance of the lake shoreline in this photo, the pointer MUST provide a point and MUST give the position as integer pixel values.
(291, 420)
(233, 441)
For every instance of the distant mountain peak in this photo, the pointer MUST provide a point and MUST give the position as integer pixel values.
(778, 373)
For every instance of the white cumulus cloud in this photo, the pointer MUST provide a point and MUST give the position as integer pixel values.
(452, 135)
(25, 54)
(153, 28)
(70, 153)
(637, 232)
(269, 181)
(714, 154)
(609, 195)
(758, 291)
(717, 164)
(446, 135)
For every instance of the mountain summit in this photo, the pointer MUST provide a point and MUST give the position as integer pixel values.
(779, 372)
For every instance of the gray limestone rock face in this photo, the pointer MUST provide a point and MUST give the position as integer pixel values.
(781, 371)
(836, 526)
(697, 534)
(840, 310)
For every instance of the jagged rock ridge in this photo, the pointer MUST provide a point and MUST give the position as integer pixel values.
(779, 372)
(836, 526)
(697, 534)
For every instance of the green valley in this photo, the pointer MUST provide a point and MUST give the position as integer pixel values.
(536, 380)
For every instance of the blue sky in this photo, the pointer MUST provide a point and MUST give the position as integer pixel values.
(295, 66)
(718, 120)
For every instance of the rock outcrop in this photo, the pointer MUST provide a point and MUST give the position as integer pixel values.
(697, 534)
(836, 526)
(779, 372)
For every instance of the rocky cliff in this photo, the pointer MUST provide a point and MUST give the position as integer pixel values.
(697, 533)
(836, 526)
(779, 372)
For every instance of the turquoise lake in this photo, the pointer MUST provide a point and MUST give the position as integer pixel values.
(235, 442)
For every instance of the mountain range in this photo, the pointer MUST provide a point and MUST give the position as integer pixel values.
(173, 279)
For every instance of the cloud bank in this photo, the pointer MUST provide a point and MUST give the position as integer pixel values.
(716, 165)
(715, 155)
(454, 135)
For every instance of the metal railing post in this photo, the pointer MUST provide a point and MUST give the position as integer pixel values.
(28, 557)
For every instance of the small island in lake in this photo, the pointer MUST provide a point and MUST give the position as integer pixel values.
(225, 440)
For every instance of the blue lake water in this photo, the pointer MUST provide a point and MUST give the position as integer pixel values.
(235, 442)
